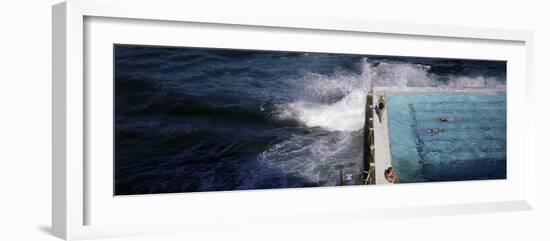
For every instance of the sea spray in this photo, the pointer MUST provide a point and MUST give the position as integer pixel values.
(333, 105)
(344, 113)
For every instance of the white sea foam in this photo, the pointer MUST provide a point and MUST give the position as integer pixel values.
(313, 157)
(399, 74)
(347, 114)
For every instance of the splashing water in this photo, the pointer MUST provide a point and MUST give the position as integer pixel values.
(345, 114)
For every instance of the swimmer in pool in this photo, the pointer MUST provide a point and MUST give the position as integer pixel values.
(446, 119)
(435, 130)
(432, 130)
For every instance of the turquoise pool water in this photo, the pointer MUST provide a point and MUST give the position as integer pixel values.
(471, 145)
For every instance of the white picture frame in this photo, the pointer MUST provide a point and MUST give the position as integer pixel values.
(73, 185)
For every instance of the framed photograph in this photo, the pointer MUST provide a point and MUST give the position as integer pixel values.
(181, 121)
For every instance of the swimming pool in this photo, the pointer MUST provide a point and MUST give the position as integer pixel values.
(471, 143)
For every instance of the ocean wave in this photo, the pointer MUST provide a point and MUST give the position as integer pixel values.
(347, 114)
(316, 158)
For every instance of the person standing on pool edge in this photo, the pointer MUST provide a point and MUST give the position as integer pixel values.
(380, 108)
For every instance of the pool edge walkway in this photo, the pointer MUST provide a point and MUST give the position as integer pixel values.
(382, 157)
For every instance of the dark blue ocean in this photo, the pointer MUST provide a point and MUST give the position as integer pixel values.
(195, 119)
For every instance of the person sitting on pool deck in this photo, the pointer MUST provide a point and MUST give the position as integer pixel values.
(391, 175)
